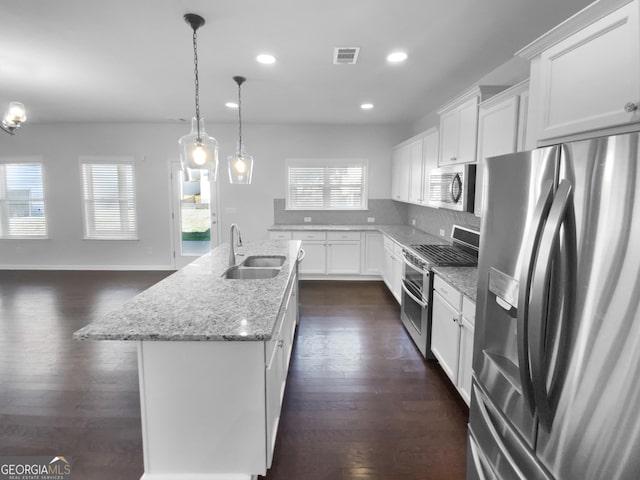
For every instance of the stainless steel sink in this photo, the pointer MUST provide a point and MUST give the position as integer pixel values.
(247, 273)
(264, 261)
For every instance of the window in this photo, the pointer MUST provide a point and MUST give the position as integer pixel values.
(327, 184)
(22, 212)
(108, 189)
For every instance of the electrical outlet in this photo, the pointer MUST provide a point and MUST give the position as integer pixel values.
(413, 222)
(307, 219)
(442, 232)
(371, 219)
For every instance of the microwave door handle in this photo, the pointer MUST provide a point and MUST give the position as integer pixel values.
(529, 252)
(456, 188)
(561, 213)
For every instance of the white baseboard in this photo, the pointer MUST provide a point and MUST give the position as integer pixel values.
(132, 268)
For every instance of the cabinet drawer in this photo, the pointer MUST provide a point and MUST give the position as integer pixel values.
(469, 310)
(343, 235)
(450, 294)
(388, 243)
(280, 235)
(309, 235)
(397, 250)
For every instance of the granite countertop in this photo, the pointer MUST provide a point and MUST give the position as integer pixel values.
(403, 234)
(464, 279)
(197, 304)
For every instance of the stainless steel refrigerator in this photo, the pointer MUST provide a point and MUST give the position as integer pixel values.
(556, 363)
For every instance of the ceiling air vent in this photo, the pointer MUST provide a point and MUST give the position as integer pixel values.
(345, 55)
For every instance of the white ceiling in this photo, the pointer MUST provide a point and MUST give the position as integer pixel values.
(132, 60)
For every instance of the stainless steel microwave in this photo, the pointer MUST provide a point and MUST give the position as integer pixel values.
(453, 187)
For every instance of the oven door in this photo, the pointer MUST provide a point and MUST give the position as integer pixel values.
(415, 317)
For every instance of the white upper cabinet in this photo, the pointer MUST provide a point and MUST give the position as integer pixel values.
(501, 129)
(459, 126)
(416, 174)
(400, 170)
(430, 150)
(412, 160)
(585, 73)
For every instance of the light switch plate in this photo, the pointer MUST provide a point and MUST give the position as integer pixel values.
(371, 219)
(442, 232)
(307, 219)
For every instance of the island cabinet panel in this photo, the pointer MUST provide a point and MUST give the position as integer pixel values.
(203, 407)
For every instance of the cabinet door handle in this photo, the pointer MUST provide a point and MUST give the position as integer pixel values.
(453, 159)
(630, 107)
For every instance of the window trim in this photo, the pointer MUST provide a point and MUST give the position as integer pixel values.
(326, 163)
(108, 160)
(30, 160)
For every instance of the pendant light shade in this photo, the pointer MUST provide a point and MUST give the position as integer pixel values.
(14, 117)
(240, 163)
(198, 150)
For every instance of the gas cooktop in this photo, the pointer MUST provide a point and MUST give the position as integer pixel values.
(446, 255)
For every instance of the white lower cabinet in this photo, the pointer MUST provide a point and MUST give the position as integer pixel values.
(343, 257)
(226, 425)
(452, 330)
(392, 271)
(373, 254)
(314, 245)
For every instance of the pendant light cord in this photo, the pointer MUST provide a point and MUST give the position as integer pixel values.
(239, 119)
(197, 83)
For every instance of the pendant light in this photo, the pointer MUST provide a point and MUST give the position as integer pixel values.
(240, 163)
(198, 150)
(13, 118)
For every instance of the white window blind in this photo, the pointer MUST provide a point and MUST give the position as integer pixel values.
(327, 184)
(108, 188)
(22, 212)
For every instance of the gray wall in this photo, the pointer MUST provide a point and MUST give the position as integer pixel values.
(154, 146)
(433, 220)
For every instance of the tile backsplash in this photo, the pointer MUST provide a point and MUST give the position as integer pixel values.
(432, 220)
(385, 212)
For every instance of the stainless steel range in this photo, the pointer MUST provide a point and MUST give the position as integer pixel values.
(417, 280)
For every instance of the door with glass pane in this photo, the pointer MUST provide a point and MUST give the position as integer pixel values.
(195, 214)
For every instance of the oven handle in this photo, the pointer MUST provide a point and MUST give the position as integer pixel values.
(412, 296)
(412, 265)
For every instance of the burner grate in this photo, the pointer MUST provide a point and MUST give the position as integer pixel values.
(446, 255)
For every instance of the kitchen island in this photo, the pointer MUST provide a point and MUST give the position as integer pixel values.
(213, 356)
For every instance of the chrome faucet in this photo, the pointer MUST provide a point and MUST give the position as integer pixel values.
(232, 253)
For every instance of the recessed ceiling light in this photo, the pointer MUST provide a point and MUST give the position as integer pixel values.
(396, 57)
(266, 58)
(366, 106)
(231, 105)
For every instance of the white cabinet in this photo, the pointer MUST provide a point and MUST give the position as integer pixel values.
(392, 273)
(343, 252)
(416, 173)
(373, 261)
(430, 151)
(315, 249)
(279, 235)
(585, 73)
(452, 334)
(400, 171)
(498, 130)
(465, 361)
(412, 161)
(459, 126)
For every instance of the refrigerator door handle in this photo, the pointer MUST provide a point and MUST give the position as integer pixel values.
(561, 213)
(529, 254)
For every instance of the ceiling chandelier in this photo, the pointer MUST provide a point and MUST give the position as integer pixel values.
(199, 150)
(240, 163)
(13, 118)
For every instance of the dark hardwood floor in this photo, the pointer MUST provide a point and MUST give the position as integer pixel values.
(360, 402)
